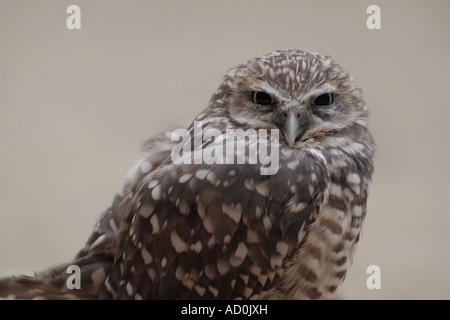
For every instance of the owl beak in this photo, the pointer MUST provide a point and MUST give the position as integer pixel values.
(293, 128)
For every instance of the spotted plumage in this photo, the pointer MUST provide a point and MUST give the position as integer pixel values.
(224, 230)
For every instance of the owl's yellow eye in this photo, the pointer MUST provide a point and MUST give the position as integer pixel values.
(261, 98)
(324, 100)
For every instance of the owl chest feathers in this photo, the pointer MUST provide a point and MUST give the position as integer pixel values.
(320, 262)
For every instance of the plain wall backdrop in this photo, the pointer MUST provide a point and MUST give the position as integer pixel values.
(75, 106)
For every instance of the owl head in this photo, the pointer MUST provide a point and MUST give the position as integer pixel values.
(300, 93)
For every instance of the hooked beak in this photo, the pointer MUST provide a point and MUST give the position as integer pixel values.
(293, 128)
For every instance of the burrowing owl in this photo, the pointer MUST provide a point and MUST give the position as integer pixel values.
(192, 229)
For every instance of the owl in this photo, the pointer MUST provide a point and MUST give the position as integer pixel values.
(274, 212)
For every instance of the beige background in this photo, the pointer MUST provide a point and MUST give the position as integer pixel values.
(75, 107)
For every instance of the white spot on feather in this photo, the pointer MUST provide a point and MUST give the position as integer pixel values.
(353, 178)
(146, 167)
(255, 270)
(335, 190)
(292, 165)
(153, 184)
(267, 223)
(200, 290)
(223, 266)
(357, 211)
(97, 242)
(276, 261)
(164, 262)
(146, 256)
(214, 291)
(178, 244)
(129, 289)
(258, 212)
(211, 177)
(188, 283)
(249, 184)
(156, 193)
(241, 251)
(252, 236)
(210, 271)
(98, 277)
(201, 174)
(282, 248)
(262, 279)
(180, 273)
(198, 246)
(262, 188)
(233, 211)
(185, 177)
(146, 211)
(155, 223)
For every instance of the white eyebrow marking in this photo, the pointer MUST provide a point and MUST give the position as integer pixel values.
(325, 88)
(263, 86)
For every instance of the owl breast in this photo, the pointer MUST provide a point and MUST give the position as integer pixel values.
(320, 263)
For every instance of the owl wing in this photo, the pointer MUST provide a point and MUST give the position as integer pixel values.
(216, 231)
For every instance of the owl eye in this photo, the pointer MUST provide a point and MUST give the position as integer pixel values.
(262, 98)
(324, 100)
